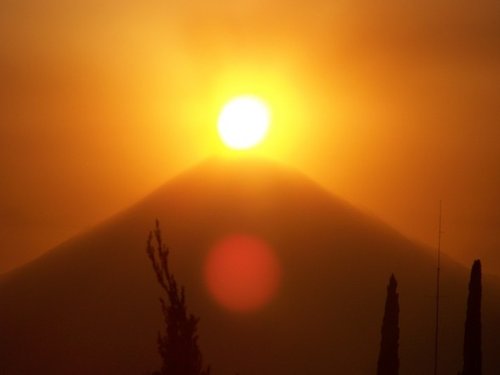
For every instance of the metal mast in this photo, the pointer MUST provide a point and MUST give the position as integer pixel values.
(438, 275)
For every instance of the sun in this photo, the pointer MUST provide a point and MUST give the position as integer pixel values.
(244, 122)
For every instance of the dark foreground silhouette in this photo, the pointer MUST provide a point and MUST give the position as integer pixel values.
(388, 359)
(473, 361)
(178, 344)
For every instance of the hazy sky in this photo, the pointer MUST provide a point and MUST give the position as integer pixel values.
(391, 106)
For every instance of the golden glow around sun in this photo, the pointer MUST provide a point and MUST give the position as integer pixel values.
(243, 122)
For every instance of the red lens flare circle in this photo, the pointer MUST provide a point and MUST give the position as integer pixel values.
(242, 273)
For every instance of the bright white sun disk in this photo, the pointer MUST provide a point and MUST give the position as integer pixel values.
(243, 122)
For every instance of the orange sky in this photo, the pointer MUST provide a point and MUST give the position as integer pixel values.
(390, 106)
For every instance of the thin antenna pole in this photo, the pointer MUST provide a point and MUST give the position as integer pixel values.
(438, 276)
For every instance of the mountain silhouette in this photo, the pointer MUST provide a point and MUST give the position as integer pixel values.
(90, 305)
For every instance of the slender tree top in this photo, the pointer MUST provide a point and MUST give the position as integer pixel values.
(472, 338)
(388, 360)
(476, 269)
(393, 284)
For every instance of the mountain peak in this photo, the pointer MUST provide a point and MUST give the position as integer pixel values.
(95, 296)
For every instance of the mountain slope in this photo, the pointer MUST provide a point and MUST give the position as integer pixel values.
(90, 306)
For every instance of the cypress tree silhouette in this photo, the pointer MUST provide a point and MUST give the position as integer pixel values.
(388, 359)
(178, 345)
(472, 337)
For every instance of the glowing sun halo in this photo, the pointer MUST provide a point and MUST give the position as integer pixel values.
(243, 122)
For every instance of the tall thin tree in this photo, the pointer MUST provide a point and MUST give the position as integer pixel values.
(472, 338)
(178, 344)
(388, 359)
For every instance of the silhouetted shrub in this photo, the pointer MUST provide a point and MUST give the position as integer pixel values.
(178, 344)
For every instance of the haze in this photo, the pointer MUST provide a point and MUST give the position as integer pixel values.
(392, 107)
